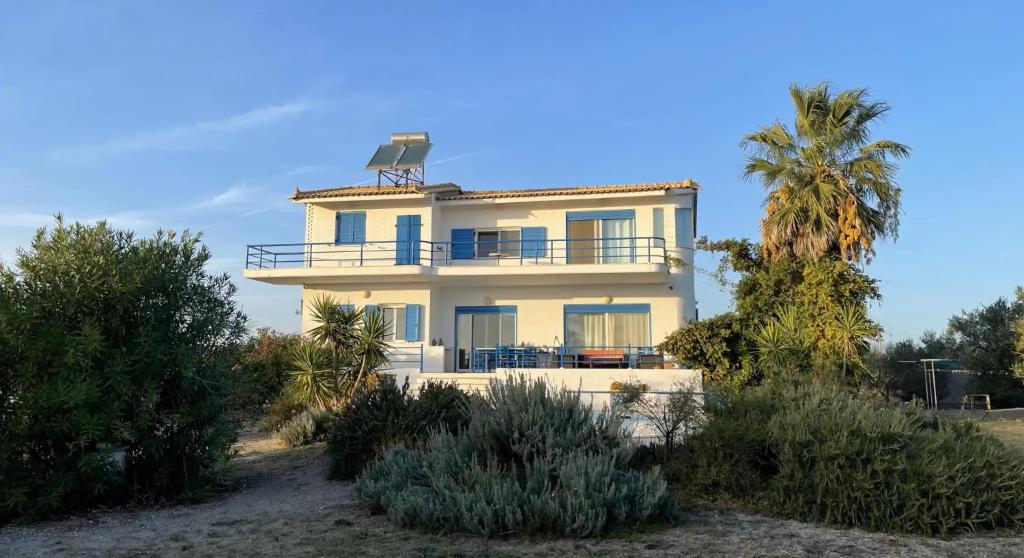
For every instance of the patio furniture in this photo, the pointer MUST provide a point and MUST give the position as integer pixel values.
(603, 358)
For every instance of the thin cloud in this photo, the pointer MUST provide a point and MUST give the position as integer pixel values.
(304, 169)
(454, 158)
(236, 194)
(181, 137)
(25, 219)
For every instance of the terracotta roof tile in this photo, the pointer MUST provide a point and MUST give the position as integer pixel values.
(448, 191)
(571, 190)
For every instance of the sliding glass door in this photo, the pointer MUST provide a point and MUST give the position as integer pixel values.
(600, 237)
(482, 327)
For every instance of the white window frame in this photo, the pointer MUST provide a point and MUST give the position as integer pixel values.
(394, 308)
(503, 244)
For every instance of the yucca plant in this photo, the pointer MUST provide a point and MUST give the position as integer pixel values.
(313, 383)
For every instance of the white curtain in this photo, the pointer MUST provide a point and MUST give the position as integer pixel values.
(628, 330)
(617, 251)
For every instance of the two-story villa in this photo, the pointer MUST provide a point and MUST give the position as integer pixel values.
(569, 278)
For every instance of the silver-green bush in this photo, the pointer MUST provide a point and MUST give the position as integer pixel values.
(305, 428)
(829, 456)
(532, 460)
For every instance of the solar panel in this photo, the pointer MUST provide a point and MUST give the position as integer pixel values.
(385, 157)
(413, 156)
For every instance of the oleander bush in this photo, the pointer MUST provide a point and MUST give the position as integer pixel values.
(262, 369)
(829, 456)
(382, 413)
(531, 460)
(115, 358)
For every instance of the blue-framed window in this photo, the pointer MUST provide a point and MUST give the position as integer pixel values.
(604, 236)
(482, 327)
(405, 320)
(611, 326)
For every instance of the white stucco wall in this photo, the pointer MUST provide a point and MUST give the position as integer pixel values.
(539, 306)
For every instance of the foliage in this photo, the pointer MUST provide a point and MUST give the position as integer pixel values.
(803, 312)
(893, 370)
(678, 412)
(717, 346)
(1019, 331)
(262, 367)
(530, 461)
(818, 453)
(112, 343)
(305, 428)
(382, 414)
(313, 383)
(355, 339)
(831, 190)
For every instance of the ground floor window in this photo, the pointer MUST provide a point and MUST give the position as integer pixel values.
(482, 327)
(394, 316)
(613, 326)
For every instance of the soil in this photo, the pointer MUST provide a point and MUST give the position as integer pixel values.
(283, 505)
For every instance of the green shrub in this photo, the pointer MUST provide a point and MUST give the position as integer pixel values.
(822, 454)
(382, 414)
(305, 428)
(530, 461)
(115, 374)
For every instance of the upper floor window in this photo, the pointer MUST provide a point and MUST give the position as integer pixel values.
(497, 243)
(350, 227)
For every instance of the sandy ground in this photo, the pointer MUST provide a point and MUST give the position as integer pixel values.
(284, 506)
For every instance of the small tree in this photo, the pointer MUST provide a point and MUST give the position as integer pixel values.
(115, 359)
(680, 411)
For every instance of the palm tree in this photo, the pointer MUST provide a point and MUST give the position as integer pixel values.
(830, 189)
(854, 331)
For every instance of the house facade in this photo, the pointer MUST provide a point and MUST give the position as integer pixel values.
(573, 279)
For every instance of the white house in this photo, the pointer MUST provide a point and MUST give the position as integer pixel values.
(576, 283)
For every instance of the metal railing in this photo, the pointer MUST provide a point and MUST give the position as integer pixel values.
(617, 250)
(406, 357)
(566, 356)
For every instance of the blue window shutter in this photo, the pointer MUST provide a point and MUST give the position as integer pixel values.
(462, 244)
(407, 235)
(684, 227)
(413, 313)
(370, 309)
(534, 241)
(347, 307)
(350, 227)
(358, 227)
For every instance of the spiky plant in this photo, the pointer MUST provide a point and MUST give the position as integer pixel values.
(853, 332)
(830, 188)
(371, 348)
(313, 382)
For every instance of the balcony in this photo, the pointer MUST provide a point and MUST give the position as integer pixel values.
(422, 261)
(562, 356)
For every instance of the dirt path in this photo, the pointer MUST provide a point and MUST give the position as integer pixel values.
(284, 506)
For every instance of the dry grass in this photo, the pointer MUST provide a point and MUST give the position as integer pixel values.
(1011, 432)
(284, 506)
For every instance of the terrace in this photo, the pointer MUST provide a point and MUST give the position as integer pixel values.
(471, 253)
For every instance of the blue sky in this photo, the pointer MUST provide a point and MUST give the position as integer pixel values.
(207, 115)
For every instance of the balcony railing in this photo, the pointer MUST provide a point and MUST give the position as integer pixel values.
(566, 356)
(619, 250)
